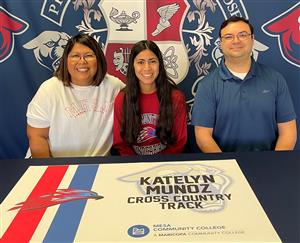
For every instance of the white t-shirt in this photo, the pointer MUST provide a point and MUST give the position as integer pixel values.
(239, 75)
(80, 117)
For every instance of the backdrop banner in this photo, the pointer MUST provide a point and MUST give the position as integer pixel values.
(34, 33)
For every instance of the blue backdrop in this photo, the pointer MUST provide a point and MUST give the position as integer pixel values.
(33, 35)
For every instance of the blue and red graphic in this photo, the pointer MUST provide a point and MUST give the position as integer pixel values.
(146, 134)
(28, 218)
(286, 27)
(10, 26)
(58, 197)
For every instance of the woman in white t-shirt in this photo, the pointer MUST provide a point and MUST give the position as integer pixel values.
(71, 114)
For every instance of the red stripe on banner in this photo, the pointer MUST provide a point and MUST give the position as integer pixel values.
(25, 223)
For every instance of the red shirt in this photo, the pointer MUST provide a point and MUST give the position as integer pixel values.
(147, 141)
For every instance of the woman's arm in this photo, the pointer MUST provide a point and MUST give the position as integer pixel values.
(38, 142)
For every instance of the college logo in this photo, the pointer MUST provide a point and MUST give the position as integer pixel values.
(10, 25)
(286, 28)
(138, 231)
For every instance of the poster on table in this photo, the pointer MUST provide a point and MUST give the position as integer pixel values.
(193, 201)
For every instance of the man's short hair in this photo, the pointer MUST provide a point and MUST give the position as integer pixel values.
(234, 19)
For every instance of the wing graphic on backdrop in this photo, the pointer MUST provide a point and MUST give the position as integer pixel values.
(166, 12)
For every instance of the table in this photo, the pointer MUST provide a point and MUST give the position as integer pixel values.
(273, 176)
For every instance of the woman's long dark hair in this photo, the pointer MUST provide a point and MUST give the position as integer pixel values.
(131, 121)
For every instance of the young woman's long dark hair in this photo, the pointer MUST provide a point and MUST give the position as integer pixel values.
(131, 121)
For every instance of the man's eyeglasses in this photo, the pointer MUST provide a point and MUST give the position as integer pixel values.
(241, 36)
(87, 57)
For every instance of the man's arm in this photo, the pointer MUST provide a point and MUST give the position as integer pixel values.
(205, 140)
(38, 142)
(287, 135)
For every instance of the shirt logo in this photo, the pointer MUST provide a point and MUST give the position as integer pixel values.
(265, 91)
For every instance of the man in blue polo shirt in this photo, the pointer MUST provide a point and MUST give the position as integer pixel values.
(243, 105)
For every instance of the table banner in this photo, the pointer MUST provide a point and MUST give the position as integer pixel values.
(186, 201)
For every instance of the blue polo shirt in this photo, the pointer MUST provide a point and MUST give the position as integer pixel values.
(243, 113)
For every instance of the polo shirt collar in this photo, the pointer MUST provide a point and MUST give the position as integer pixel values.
(225, 74)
